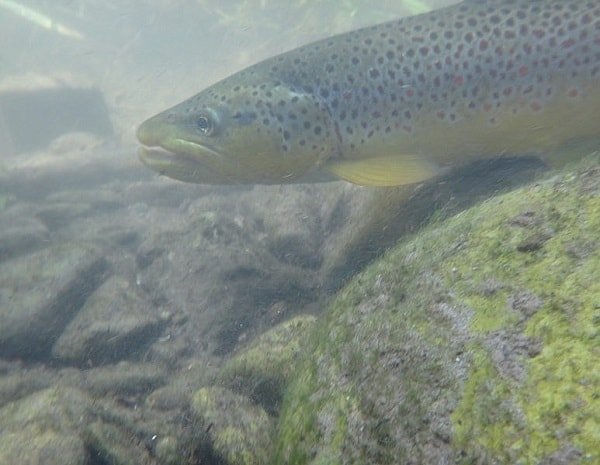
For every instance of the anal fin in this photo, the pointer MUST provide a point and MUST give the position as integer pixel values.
(384, 171)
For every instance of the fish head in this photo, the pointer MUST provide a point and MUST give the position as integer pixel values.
(239, 134)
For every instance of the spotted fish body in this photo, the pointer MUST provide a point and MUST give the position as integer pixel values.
(394, 103)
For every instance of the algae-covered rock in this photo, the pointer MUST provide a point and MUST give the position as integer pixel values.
(125, 378)
(40, 293)
(63, 425)
(476, 341)
(168, 451)
(240, 432)
(108, 444)
(41, 428)
(114, 323)
(263, 369)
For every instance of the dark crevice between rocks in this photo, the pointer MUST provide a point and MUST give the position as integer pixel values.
(65, 307)
(439, 199)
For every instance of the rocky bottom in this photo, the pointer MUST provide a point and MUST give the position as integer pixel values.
(144, 321)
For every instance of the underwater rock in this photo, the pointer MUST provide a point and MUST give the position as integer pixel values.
(114, 323)
(381, 216)
(106, 442)
(456, 347)
(17, 381)
(87, 166)
(124, 378)
(40, 293)
(168, 398)
(218, 275)
(240, 432)
(297, 223)
(19, 233)
(41, 428)
(191, 375)
(262, 370)
(56, 215)
(168, 452)
(64, 425)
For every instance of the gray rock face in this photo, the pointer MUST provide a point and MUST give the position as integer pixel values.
(19, 233)
(114, 323)
(39, 295)
(232, 259)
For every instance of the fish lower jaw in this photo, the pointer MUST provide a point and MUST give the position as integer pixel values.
(150, 156)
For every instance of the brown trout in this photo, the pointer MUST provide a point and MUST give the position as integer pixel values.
(396, 103)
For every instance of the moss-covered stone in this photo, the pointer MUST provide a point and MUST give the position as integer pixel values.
(263, 369)
(168, 451)
(41, 428)
(240, 432)
(108, 443)
(476, 341)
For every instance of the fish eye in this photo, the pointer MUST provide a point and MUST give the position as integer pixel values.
(204, 125)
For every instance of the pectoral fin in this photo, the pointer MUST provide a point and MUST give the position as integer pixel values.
(385, 171)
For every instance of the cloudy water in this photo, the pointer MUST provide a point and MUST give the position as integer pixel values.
(305, 232)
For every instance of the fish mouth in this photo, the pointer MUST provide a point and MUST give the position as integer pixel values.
(189, 162)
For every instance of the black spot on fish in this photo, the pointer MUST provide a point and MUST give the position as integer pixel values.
(245, 117)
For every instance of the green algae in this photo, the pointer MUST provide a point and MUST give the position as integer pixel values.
(557, 401)
(525, 267)
(240, 431)
(263, 369)
(109, 444)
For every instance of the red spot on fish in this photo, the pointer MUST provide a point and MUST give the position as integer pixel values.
(458, 80)
(483, 45)
(568, 43)
(410, 93)
(441, 114)
(535, 106)
(539, 33)
(523, 71)
(487, 107)
(573, 93)
(507, 91)
(347, 95)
